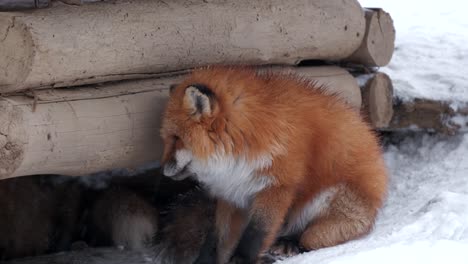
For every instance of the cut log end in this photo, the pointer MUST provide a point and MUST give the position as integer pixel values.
(11, 155)
(377, 96)
(16, 51)
(12, 139)
(379, 40)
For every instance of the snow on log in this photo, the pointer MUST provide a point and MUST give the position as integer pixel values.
(68, 45)
(377, 99)
(379, 40)
(93, 128)
(431, 115)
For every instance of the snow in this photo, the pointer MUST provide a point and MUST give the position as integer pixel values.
(431, 56)
(425, 217)
(419, 252)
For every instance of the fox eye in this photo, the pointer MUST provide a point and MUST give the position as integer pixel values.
(178, 142)
(172, 140)
(172, 88)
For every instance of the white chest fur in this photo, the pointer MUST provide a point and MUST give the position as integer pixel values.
(313, 209)
(233, 179)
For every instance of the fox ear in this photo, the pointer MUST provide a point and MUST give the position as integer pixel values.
(199, 100)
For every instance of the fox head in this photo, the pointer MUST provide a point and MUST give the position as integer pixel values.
(190, 112)
(217, 115)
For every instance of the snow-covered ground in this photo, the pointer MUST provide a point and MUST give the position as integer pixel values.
(425, 218)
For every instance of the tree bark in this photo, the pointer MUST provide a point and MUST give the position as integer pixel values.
(69, 45)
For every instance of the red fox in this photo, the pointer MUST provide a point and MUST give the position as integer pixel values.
(281, 156)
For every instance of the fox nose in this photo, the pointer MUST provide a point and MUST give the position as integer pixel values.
(176, 173)
(178, 165)
(170, 168)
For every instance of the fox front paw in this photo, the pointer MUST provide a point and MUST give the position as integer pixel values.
(267, 259)
(285, 248)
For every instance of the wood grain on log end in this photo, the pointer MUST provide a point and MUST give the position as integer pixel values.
(16, 51)
(377, 97)
(13, 138)
(379, 40)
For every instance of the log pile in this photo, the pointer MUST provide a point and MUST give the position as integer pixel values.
(83, 83)
(133, 39)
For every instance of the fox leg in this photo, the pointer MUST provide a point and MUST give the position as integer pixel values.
(224, 235)
(230, 222)
(349, 216)
(267, 214)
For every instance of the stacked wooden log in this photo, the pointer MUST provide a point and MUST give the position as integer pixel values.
(83, 86)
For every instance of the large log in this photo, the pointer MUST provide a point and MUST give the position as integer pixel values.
(82, 130)
(69, 45)
(336, 80)
(430, 115)
(379, 40)
(87, 129)
(388, 113)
